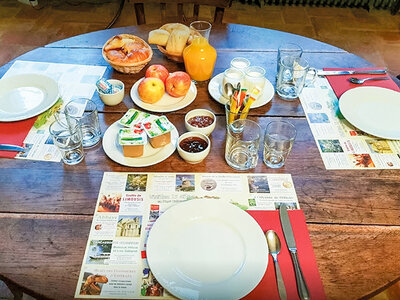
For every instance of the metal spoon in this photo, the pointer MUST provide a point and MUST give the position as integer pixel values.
(228, 89)
(361, 81)
(274, 246)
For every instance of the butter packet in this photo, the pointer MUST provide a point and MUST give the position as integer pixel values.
(133, 117)
(131, 137)
(158, 126)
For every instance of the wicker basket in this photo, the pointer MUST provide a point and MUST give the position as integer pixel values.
(177, 58)
(129, 68)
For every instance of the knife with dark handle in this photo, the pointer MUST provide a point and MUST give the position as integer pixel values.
(11, 148)
(291, 244)
(350, 72)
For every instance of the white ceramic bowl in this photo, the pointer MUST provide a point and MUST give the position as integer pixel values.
(190, 157)
(200, 112)
(113, 99)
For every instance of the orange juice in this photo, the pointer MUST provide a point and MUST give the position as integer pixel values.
(199, 58)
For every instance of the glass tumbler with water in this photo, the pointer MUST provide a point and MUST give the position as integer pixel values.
(278, 141)
(67, 137)
(242, 144)
(85, 111)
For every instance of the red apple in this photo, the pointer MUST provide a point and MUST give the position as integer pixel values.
(151, 89)
(178, 84)
(157, 71)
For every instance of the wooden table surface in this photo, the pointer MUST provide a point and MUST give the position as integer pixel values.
(353, 216)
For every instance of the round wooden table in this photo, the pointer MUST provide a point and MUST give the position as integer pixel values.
(353, 216)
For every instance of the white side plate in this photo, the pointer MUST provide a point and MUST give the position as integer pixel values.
(207, 249)
(374, 110)
(214, 88)
(26, 95)
(151, 156)
(166, 103)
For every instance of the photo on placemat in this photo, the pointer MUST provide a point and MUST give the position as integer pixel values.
(136, 182)
(109, 202)
(92, 283)
(99, 252)
(258, 184)
(289, 205)
(330, 146)
(185, 183)
(318, 118)
(150, 285)
(129, 226)
(379, 146)
(361, 160)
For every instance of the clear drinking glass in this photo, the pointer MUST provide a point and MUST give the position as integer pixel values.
(242, 144)
(278, 141)
(240, 63)
(202, 27)
(67, 137)
(292, 76)
(289, 49)
(85, 111)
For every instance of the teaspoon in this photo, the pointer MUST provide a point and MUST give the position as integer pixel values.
(361, 81)
(274, 246)
(228, 89)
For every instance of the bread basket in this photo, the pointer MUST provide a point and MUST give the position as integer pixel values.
(177, 58)
(129, 67)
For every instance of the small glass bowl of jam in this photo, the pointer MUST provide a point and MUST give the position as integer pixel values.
(193, 147)
(200, 120)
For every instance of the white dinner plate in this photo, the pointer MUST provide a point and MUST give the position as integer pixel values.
(151, 156)
(167, 103)
(214, 88)
(207, 249)
(374, 110)
(26, 95)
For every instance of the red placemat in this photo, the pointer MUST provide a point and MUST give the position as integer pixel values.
(341, 84)
(14, 133)
(267, 288)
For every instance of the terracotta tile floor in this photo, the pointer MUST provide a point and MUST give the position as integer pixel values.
(373, 35)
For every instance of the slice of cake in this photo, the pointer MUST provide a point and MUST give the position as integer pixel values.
(133, 117)
(159, 131)
(132, 141)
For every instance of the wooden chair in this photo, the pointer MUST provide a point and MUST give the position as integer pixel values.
(219, 5)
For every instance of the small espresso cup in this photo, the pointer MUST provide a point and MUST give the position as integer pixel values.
(292, 77)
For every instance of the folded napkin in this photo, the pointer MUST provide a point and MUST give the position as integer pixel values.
(267, 288)
(14, 133)
(341, 84)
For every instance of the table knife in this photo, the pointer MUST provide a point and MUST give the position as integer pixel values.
(291, 244)
(11, 148)
(350, 72)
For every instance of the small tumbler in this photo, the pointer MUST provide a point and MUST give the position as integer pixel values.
(85, 111)
(278, 141)
(67, 137)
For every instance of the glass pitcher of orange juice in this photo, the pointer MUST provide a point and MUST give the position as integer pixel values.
(199, 58)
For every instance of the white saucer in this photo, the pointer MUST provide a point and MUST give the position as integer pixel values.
(207, 249)
(151, 156)
(374, 110)
(167, 103)
(214, 88)
(26, 95)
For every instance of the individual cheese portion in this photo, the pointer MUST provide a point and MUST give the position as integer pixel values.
(132, 141)
(134, 118)
(159, 131)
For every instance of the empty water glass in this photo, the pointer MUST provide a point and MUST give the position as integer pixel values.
(67, 137)
(289, 49)
(278, 141)
(85, 111)
(242, 144)
(292, 76)
(202, 27)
